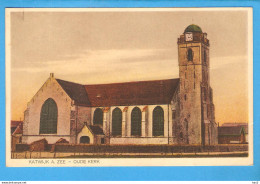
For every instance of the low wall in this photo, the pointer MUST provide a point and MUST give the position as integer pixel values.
(80, 148)
(138, 141)
(28, 147)
(50, 138)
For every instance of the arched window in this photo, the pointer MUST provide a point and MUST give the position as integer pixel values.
(84, 139)
(136, 119)
(158, 121)
(205, 94)
(98, 117)
(117, 122)
(190, 55)
(48, 119)
(181, 135)
(186, 124)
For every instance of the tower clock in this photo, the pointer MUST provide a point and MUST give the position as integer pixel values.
(188, 37)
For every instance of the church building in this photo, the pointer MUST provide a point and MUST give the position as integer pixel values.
(176, 111)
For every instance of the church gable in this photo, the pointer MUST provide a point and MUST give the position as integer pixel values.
(36, 117)
(49, 88)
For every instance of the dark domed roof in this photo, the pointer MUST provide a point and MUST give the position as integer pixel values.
(193, 28)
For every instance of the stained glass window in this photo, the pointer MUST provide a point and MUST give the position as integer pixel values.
(136, 119)
(98, 117)
(158, 121)
(117, 122)
(49, 115)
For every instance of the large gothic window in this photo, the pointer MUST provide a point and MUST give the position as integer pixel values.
(190, 55)
(98, 117)
(158, 121)
(48, 119)
(136, 119)
(117, 122)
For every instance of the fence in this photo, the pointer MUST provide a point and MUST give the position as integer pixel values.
(77, 150)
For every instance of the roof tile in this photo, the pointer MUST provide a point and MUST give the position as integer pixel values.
(121, 94)
(95, 129)
(132, 93)
(230, 130)
(75, 91)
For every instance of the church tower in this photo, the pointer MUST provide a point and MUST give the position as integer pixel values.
(197, 115)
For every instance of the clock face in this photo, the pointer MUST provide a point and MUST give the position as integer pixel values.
(188, 37)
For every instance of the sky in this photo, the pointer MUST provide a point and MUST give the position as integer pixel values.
(96, 47)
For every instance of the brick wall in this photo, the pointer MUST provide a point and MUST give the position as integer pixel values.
(80, 148)
(50, 89)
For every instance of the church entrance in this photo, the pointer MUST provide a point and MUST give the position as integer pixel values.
(84, 139)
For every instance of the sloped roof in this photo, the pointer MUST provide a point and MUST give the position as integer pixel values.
(230, 130)
(61, 140)
(40, 141)
(75, 91)
(234, 124)
(118, 94)
(244, 125)
(18, 130)
(96, 130)
(15, 123)
(132, 93)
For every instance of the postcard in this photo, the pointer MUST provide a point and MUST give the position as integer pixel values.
(129, 87)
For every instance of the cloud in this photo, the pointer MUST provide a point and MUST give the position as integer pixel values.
(220, 62)
(114, 65)
(99, 61)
